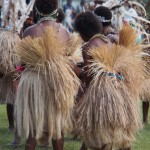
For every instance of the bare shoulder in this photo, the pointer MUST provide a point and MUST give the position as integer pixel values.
(30, 31)
(64, 34)
(98, 42)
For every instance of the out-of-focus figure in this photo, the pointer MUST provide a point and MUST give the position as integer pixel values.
(69, 14)
(105, 16)
(83, 6)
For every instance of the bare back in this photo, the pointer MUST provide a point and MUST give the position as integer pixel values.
(38, 29)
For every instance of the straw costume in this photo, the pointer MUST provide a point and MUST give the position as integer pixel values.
(145, 88)
(144, 91)
(47, 87)
(134, 14)
(9, 37)
(8, 40)
(109, 111)
(48, 81)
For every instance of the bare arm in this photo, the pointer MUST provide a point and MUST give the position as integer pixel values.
(94, 43)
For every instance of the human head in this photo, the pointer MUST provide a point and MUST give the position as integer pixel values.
(87, 25)
(44, 8)
(104, 15)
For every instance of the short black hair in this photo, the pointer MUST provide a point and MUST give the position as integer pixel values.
(87, 25)
(61, 16)
(104, 12)
(46, 6)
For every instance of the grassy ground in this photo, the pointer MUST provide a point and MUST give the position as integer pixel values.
(142, 143)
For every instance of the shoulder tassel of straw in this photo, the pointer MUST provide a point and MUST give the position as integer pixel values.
(47, 88)
(74, 51)
(8, 59)
(128, 38)
(109, 111)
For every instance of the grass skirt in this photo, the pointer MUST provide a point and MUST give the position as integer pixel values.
(145, 91)
(47, 89)
(8, 59)
(109, 110)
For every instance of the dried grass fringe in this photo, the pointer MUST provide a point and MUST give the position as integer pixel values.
(47, 88)
(8, 59)
(109, 110)
(145, 88)
(145, 91)
(74, 50)
(128, 39)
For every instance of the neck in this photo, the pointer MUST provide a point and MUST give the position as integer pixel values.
(46, 19)
(105, 28)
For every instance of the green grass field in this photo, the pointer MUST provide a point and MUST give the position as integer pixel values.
(142, 141)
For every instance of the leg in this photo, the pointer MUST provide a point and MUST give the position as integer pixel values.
(30, 143)
(58, 144)
(145, 112)
(10, 115)
(83, 147)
